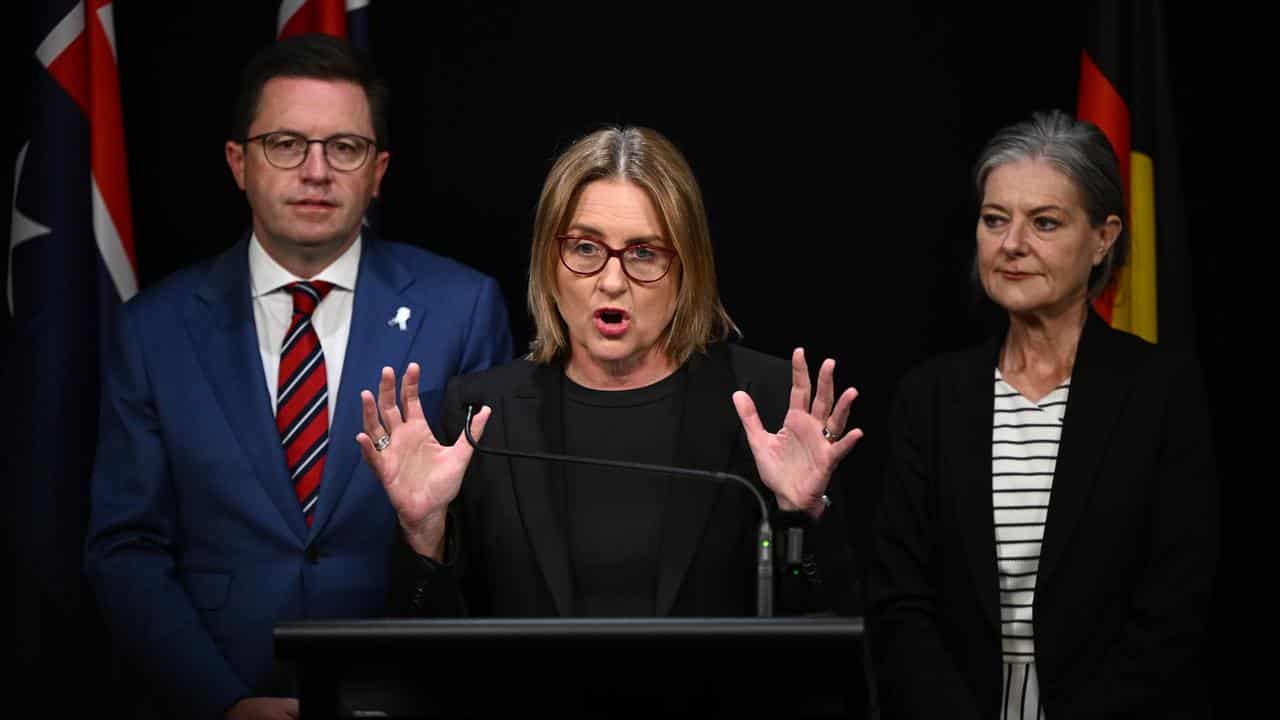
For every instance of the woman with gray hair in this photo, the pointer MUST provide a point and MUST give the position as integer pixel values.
(1048, 534)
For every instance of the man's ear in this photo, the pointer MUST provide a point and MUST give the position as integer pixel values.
(235, 161)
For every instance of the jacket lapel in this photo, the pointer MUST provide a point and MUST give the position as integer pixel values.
(1100, 379)
(709, 429)
(373, 342)
(534, 422)
(221, 326)
(968, 448)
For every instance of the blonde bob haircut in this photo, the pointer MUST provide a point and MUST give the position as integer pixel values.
(648, 160)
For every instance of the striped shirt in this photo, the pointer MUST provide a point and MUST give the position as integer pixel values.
(1024, 453)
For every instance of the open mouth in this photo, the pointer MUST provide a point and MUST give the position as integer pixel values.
(612, 322)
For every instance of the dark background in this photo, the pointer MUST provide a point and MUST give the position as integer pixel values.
(833, 147)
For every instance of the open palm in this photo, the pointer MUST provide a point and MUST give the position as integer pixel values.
(420, 475)
(797, 461)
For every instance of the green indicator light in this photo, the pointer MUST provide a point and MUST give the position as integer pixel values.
(795, 571)
(765, 543)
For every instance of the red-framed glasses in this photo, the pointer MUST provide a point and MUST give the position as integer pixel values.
(642, 262)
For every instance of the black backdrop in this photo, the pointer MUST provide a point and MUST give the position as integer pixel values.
(833, 149)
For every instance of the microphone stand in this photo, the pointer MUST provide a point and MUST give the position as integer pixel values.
(764, 542)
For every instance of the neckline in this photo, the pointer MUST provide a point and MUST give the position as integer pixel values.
(632, 397)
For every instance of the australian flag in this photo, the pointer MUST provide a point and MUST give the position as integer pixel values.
(70, 264)
(341, 18)
(347, 19)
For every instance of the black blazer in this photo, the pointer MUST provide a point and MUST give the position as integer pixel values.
(507, 554)
(1129, 553)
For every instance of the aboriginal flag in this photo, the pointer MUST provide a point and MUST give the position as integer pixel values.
(1125, 89)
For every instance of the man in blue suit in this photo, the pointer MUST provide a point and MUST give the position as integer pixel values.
(228, 493)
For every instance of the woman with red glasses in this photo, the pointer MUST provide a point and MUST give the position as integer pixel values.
(631, 362)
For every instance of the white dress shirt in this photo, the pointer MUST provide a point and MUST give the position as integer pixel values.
(273, 311)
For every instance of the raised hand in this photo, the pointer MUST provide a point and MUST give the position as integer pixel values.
(797, 461)
(420, 475)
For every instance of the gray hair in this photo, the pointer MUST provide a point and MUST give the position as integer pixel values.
(1080, 151)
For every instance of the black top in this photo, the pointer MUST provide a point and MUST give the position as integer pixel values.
(509, 551)
(615, 516)
(1131, 541)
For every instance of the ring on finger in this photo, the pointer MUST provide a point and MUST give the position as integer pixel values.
(381, 443)
(830, 436)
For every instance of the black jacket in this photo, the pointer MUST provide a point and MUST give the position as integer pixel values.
(1129, 553)
(507, 554)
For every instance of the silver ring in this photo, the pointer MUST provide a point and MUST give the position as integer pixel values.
(382, 443)
(830, 436)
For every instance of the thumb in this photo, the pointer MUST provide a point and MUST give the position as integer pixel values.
(478, 423)
(748, 415)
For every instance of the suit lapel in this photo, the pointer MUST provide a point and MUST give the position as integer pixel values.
(1100, 379)
(221, 326)
(709, 430)
(534, 421)
(968, 448)
(373, 342)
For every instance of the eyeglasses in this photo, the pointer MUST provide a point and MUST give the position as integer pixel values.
(642, 262)
(288, 150)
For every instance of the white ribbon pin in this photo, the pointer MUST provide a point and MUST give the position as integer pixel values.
(402, 317)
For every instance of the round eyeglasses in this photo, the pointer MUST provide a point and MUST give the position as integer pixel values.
(641, 262)
(287, 150)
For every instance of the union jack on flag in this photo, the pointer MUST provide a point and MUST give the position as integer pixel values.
(340, 18)
(71, 262)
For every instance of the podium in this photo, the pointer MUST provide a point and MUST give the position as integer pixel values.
(704, 667)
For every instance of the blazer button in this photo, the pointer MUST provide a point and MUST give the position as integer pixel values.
(312, 554)
(420, 596)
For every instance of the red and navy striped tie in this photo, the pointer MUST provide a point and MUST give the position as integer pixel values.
(302, 399)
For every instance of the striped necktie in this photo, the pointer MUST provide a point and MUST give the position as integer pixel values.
(302, 397)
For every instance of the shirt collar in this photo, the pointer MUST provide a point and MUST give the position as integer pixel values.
(267, 276)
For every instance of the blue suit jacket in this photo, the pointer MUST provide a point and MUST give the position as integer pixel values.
(196, 545)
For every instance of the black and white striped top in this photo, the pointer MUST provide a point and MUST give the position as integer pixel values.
(1024, 453)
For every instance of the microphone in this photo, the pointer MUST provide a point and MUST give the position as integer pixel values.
(764, 538)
